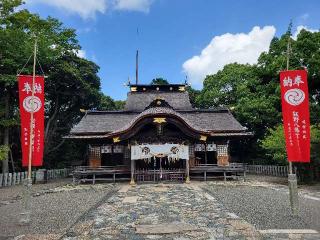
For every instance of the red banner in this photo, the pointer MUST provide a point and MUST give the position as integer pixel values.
(26, 108)
(295, 113)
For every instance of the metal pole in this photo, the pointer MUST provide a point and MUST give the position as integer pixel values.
(26, 215)
(292, 177)
(137, 67)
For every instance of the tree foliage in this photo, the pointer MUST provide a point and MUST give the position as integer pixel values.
(274, 144)
(4, 150)
(252, 93)
(159, 81)
(72, 82)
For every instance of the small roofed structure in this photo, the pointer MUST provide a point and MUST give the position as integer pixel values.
(158, 136)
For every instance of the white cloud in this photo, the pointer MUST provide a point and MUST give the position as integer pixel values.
(228, 48)
(89, 8)
(80, 53)
(133, 5)
(299, 28)
(85, 8)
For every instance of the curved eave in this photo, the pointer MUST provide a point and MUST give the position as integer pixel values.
(169, 117)
(231, 134)
(85, 136)
(211, 134)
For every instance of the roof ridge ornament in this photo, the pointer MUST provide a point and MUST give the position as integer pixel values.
(159, 120)
(159, 102)
(182, 88)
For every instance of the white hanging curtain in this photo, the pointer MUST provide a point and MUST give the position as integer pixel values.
(148, 151)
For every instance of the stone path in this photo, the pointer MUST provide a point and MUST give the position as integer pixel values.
(172, 211)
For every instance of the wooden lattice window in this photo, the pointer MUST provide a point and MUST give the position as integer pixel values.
(118, 148)
(191, 150)
(126, 152)
(222, 150)
(95, 152)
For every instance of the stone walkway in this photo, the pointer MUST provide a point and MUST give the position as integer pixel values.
(171, 211)
(161, 211)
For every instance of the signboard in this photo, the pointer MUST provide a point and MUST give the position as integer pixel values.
(29, 104)
(295, 113)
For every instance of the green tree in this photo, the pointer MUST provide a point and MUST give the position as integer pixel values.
(72, 82)
(304, 54)
(252, 92)
(119, 104)
(9, 49)
(159, 81)
(252, 101)
(274, 145)
(193, 94)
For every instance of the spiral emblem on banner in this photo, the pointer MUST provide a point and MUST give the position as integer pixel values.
(29, 107)
(294, 96)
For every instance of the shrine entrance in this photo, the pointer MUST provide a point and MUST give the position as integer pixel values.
(159, 162)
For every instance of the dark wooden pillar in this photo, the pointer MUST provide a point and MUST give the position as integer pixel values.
(187, 171)
(205, 154)
(133, 165)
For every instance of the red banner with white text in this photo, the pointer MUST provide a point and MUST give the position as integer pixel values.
(29, 104)
(295, 113)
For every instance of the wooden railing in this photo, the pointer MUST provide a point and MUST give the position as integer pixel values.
(103, 173)
(149, 175)
(100, 168)
(270, 170)
(16, 178)
(230, 166)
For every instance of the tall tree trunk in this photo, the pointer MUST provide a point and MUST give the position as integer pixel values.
(5, 162)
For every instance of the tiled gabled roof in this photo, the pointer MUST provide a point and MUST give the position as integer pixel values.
(210, 121)
(139, 105)
(138, 101)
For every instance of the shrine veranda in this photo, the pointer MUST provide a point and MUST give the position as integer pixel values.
(158, 136)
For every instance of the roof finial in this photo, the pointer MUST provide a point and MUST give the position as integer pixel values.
(186, 81)
(137, 60)
(137, 67)
(127, 83)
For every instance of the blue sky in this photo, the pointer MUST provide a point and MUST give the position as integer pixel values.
(177, 38)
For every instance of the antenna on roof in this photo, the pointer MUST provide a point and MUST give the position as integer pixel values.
(137, 61)
(137, 66)
(186, 82)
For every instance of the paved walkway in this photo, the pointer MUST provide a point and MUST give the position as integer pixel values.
(175, 211)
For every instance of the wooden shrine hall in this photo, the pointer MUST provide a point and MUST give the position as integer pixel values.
(158, 136)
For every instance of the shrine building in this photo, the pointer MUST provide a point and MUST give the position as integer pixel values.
(158, 136)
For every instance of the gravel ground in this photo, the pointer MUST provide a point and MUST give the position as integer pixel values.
(55, 206)
(261, 201)
(13, 193)
(163, 212)
(266, 207)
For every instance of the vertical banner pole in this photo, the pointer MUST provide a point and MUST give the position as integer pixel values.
(26, 214)
(31, 115)
(292, 178)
